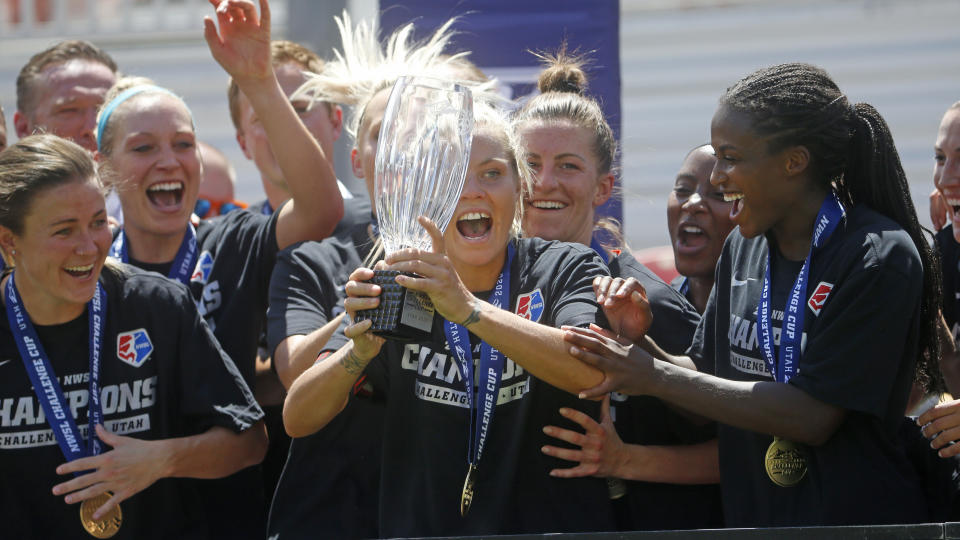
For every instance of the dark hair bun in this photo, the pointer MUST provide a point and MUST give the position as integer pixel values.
(563, 72)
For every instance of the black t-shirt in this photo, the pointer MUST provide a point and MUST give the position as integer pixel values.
(648, 421)
(860, 343)
(425, 435)
(330, 483)
(356, 211)
(163, 375)
(950, 263)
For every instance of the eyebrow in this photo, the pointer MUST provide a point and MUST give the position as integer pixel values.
(570, 154)
(74, 220)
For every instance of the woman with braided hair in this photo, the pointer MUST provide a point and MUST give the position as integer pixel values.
(822, 314)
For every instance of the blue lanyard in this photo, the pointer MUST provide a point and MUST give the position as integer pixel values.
(490, 368)
(601, 251)
(266, 209)
(831, 212)
(182, 266)
(44, 380)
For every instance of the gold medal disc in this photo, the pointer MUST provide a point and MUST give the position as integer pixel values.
(105, 527)
(466, 497)
(785, 463)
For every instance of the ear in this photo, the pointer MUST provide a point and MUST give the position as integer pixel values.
(796, 160)
(8, 242)
(242, 141)
(604, 189)
(21, 124)
(356, 163)
(336, 118)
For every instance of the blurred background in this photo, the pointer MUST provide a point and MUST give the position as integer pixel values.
(676, 58)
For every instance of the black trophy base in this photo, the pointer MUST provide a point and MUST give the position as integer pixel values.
(403, 314)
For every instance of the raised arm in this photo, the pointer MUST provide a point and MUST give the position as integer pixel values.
(297, 353)
(242, 48)
(133, 465)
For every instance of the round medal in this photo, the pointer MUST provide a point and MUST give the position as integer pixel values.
(105, 527)
(784, 462)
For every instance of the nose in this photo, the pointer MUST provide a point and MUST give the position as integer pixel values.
(717, 176)
(545, 179)
(87, 136)
(693, 203)
(85, 244)
(168, 158)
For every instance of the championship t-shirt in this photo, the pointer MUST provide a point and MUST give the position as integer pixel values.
(162, 375)
(646, 420)
(859, 347)
(330, 483)
(427, 420)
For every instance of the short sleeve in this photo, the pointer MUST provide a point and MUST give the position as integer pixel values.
(573, 300)
(301, 298)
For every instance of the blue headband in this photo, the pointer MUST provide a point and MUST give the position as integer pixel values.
(125, 95)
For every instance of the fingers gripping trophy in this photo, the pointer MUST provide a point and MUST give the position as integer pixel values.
(422, 156)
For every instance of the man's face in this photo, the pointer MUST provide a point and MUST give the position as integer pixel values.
(323, 122)
(65, 102)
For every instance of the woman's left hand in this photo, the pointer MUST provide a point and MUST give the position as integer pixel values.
(129, 468)
(601, 449)
(625, 304)
(438, 278)
(626, 367)
(242, 46)
(941, 426)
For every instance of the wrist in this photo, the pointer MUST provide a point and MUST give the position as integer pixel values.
(472, 316)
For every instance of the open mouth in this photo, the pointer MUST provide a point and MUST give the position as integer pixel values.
(474, 225)
(735, 197)
(79, 271)
(166, 195)
(954, 205)
(689, 235)
(548, 205)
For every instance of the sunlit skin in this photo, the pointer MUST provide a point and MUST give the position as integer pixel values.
(155, 166)
(65, 101)
(946, 168)
(61, 250)
(698, 220)
(771, 191)
(568, 185)
(321, 121)
(3, 131)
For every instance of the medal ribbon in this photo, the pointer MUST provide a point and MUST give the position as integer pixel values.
(183, 263)
(490, 368)
(831, 212)
(44, 380)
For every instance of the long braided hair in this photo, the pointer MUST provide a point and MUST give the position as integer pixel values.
(852, 150)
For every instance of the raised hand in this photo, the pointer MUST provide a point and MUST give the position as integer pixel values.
(242, 45)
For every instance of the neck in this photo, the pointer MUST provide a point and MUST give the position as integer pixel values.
(276, 195)
(42, 309)
(153, 248)
(481, 278)
(794, 233)
(699, 292)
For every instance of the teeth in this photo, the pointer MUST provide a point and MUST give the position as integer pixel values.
(470, 216)
(86, 268)
(953, 202)
(730, 197)
(166, 186)
(549, 204)
(691, 229)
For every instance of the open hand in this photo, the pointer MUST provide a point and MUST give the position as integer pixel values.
(625, 304)
(626, 367)
(242, 46)
(601, 449)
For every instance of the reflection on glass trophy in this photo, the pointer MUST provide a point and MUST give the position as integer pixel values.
(422, 156)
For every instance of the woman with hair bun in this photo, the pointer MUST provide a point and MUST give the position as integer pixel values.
(571, 150)
(114, 386)
(823, 314)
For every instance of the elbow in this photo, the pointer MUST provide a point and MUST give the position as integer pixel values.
(256, 446)
(817, 433)
(295, 426)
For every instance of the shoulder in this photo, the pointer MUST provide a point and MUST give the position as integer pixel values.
(135, 288)
(553, 252)
(232, 223)
(873, 240)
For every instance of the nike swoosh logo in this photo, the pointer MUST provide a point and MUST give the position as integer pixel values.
(734, 282)
(3, 362)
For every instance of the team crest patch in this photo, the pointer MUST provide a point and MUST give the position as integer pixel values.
(134, 347)
(202, 271)
(530, 305)
(819, 297)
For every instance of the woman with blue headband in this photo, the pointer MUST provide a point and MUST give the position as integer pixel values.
(147, 149)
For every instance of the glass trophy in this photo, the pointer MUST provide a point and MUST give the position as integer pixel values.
(422, 156)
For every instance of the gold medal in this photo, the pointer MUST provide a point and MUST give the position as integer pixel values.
(785, 463)
(466, 497)
(106, 526)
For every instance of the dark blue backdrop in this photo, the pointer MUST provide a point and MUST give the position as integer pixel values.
(500, 32)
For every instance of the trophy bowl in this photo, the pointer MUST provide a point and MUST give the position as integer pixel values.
(422, 156)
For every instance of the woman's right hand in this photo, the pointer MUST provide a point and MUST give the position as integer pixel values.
(941, 426)
(625, 304)
(242, 45)
(361, 295)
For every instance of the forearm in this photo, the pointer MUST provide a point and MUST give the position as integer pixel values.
(297, 353)
(766, 407)
(215, 453)
(321, 392)
(540, 349)
(316, 205)
(649, 345)
(680, 464)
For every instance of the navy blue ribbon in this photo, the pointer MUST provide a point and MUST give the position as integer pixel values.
(791, 332)
(44, 380)
(601, 251)
(489, 369)
(183, 263)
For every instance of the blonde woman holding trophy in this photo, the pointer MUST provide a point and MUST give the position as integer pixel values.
(465, 406)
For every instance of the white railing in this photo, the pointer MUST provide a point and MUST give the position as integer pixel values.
(148, 19)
